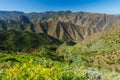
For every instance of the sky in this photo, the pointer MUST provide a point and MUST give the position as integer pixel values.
(97, 6)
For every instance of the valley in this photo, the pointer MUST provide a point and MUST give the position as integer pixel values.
(61, 45)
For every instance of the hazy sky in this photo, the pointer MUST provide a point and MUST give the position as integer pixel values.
(101, 6)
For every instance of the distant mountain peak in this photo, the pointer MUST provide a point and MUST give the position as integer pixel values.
(63, 25)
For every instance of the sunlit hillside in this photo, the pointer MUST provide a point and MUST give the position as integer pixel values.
(95, 58)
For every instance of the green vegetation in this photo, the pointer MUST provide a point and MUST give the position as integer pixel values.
(32, 67)
(102, 51)
(26, 55)
(29, 66)
(12, 40)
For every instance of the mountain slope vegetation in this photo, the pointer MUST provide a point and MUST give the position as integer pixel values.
(94, 59)
(62, 25)
(12, 40)
(43, 46)
(101, 51)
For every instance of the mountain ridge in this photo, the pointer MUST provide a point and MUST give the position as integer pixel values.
(62, 25)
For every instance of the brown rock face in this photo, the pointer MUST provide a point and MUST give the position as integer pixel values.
(62, 25)
(60, 30)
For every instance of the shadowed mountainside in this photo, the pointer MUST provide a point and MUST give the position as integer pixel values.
(12, 40)
(63, 25)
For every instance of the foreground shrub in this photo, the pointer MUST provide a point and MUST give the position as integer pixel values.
(31, 71)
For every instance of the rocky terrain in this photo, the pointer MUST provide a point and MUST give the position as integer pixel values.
(63, 25)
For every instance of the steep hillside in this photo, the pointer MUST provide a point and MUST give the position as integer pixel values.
(12, 40)
(30, 43)
(102, 51)
(62, 25)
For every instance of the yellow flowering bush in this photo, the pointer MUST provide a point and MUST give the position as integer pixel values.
(32, 71)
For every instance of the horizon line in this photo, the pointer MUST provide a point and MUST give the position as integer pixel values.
(59, 11)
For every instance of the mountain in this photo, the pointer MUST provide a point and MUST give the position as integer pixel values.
(100, 50)
(12, 40)
(12, 15)
(62, 25)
